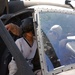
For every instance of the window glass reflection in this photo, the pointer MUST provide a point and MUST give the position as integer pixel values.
(59, 37)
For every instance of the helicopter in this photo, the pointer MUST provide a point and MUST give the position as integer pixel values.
(45, 15)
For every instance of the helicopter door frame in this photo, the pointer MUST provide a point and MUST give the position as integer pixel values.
(40, 43)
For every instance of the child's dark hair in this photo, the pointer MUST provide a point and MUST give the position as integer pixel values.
(27, 25)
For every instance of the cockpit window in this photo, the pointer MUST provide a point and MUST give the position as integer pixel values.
(58, 38)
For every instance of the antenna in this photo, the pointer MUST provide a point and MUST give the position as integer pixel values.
(68, 3)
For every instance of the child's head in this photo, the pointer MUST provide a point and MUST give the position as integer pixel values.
(27, 25)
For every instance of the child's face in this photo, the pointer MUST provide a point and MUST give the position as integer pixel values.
(30, 34)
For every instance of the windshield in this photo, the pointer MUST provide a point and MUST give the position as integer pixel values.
(58, 38)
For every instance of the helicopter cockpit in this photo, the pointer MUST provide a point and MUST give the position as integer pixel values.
(54, 28)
